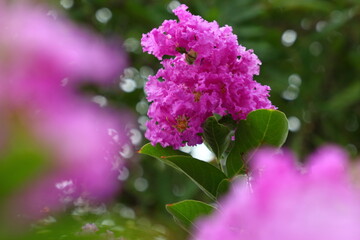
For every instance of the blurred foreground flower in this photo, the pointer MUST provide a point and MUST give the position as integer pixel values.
(55, 145)
(210, 73)
(283, 200)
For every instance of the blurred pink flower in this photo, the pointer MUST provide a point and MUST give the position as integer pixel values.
(284, 200)
(41, 49)
(43, 60)
(84, 142)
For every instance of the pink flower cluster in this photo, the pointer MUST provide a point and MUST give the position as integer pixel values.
(209, 73)
(284, 200)
(43, 60)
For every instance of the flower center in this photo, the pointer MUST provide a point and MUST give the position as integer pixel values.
(181, 123)
(197, 96)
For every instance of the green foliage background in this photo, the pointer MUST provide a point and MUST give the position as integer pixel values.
(325, 56)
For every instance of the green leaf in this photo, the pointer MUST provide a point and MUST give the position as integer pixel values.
(159, 152)
(234, 162)
(223, 188)
(187, 211)
(205, 175)
(262, 127)
(228, 121)
(216, 136)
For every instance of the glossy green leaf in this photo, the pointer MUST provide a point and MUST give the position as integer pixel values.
(216, 136)
(187, 211)
(205, 175)
(262, 127)
(159, 152)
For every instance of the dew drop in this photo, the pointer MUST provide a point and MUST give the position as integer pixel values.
(141, 184)
(172, 5)
(142, 107)
(127, 212)
(291, 93)
(67, 4)
(142, 122)
(131, 44)
(123, 174)
(128, 85)
(126, 151)
(100, 100)
(135, 136)
(288, 38)
(145, 71)
(294, 79)
(294, 124)
(103, 15)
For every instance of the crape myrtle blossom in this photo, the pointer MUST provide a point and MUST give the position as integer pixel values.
(43, 60)
(209, 73)
(284, 200)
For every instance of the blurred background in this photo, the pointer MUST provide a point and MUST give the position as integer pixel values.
(310, 53)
